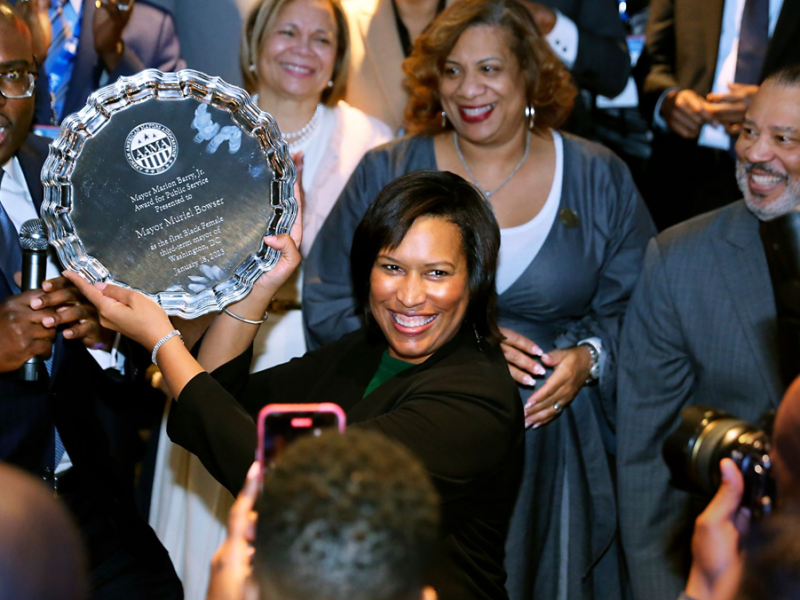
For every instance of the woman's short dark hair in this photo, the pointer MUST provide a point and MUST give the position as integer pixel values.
(446, 196)
(548, 84)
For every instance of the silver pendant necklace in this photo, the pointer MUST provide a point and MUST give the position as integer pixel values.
(488, 193)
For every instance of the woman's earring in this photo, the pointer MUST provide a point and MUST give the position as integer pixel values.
(330, 83)
(444, 119)
(530, 115)
(252, 68)
(478, 337)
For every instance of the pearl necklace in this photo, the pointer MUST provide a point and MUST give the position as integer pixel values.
(295, 139)
(488, 193)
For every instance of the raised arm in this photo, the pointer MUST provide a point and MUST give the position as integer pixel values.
(136, 316)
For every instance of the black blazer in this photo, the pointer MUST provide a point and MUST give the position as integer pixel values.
(683, 43)
(459, 411)
(603, 64)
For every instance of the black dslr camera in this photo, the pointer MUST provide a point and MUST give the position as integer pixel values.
(704, 437)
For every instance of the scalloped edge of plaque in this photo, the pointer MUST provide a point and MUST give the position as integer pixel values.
(129, 91)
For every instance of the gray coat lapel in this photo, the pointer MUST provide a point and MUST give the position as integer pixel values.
(743, 267)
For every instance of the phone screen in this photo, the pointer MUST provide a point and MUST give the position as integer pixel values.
(280, 424)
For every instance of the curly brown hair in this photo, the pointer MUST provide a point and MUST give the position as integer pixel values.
(258, 25)
(548, 84)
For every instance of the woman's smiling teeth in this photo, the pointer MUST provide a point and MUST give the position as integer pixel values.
(297, 69)
(476, 112)
(411, 321)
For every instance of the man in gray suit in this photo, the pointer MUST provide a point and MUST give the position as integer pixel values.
(701, 329)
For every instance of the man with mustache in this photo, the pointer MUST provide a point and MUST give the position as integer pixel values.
(701, 329)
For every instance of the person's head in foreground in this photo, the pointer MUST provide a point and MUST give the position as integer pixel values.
(345, 517)
(41, 557)
(768, 148)
(423, 263)
(785, 454)
(772, 561)
(484, 69)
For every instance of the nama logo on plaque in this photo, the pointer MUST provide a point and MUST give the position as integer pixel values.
(151, 148)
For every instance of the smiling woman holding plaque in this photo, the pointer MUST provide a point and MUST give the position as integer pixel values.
(427, 371)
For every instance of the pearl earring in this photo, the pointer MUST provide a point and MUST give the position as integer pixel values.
(330, 83)
(444, 119)
(252, 68)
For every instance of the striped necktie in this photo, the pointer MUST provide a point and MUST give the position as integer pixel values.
(63, 48)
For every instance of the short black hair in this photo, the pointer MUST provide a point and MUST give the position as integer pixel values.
(433, 194)
(345, 517)
(788, 76)
(772, 560)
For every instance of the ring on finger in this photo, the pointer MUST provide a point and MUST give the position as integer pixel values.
(557, 408)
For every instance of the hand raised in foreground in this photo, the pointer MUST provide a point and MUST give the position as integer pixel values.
(231, 565)
(716, 560)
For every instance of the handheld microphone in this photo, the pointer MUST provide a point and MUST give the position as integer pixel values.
(33, 239)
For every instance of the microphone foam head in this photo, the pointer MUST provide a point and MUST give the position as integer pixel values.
(33, 236)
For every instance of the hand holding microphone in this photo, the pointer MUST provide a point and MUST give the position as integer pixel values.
(30, 320)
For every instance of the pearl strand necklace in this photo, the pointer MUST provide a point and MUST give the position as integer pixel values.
(295, 139)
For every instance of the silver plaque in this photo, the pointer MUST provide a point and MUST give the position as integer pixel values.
(167, 183)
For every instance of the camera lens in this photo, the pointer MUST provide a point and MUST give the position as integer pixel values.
(704, 437)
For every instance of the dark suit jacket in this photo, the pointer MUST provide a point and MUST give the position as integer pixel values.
(69, 399)
(603, 64)
(458, 411)
(700, 329)
(683, 43)
(150, 40)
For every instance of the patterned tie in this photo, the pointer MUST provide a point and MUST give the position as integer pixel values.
(753, 41)
(10, 250)
(63, 48)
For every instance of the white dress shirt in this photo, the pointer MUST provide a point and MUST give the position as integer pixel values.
(563, 39)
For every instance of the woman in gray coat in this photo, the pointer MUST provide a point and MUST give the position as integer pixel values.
(486, 96)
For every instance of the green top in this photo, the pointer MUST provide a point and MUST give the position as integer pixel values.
(389, 367)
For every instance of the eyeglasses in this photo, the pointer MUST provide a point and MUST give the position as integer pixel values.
(17, 84)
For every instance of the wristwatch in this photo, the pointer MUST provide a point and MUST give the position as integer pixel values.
(595, 348)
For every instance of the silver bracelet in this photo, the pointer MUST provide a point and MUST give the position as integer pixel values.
(163, 341)
(243, 320)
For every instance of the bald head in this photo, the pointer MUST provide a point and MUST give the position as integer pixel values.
(40, 551)
(9, 18)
